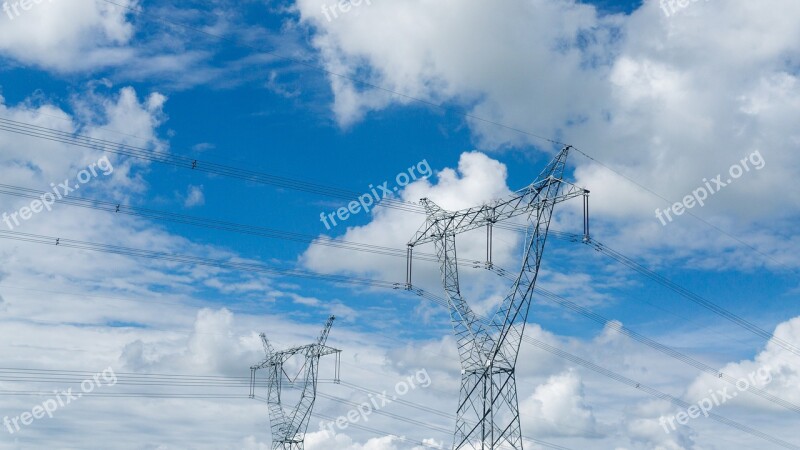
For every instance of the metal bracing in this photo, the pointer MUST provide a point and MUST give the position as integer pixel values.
(488, 411)
(289, 427)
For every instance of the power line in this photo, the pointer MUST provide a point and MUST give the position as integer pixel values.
(118, 208)
(630, 382)
(277, 234)
(672, 353)
(384, 284)
(188, 259)
(687, 211)
(194, 396)
(395, 252)
(695, 298)
(123, 209)
(252, 230)
(401, 253)
(68, 377)
(185, 162)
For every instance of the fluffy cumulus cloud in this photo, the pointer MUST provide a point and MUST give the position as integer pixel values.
(66, 35)
(649, 433)
(211, 345)
(437, 55)
(665, 101)
(557, 408)
(774, 370)
(126, 38)
(477, 178)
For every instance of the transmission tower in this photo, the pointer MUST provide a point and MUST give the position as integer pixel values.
(488, 411)
(289, 427)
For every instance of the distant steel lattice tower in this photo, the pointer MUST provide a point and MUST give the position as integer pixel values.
(488, 410)
(289, 427)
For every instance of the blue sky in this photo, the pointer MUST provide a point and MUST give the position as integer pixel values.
(254, 85)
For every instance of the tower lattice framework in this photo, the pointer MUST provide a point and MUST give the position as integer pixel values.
(488, 411)
(289, 427)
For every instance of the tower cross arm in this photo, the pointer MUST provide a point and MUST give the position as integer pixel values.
(521, 202)
(267, 362)
(324, 350)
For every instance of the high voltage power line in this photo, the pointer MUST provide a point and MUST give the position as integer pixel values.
(185, 162)
(585, 312)
(58, 377)
(631, 383)
(189, 259)
(385, 284)
(206, 381)
(265, 232)
(548, 295)
(543, 292)
(119, 208)
(127, 210)
(51, 240)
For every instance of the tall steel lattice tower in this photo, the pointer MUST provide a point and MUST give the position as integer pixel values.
(488, 409)
(289, 427)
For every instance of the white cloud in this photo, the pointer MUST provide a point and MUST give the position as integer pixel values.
(194, 197)
(665, 101)
(67, 35)
(321, 440)
(648, 433)
(478, 178)
(437, 55)
(558, 408)
(774, 369)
